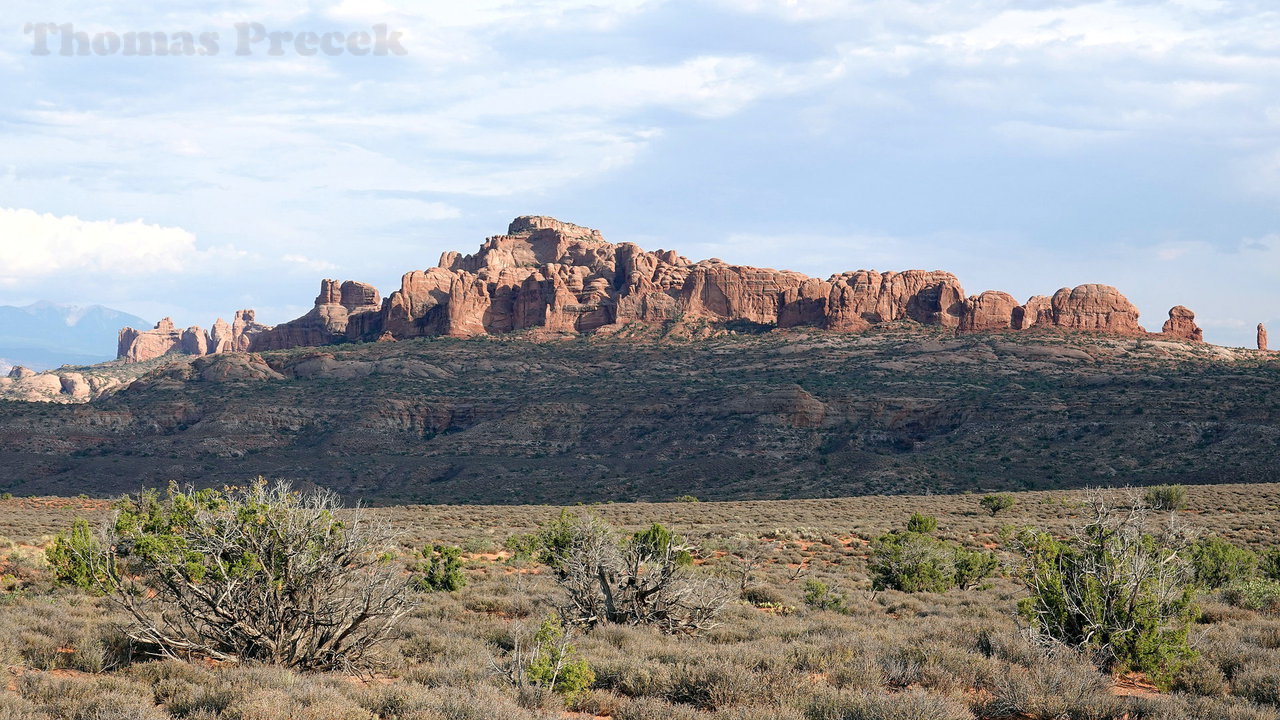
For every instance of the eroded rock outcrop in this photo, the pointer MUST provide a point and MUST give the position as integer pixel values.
(56, 386)
(327, 321)
(991, 310)
(236, 337)
(1182, 325)
(551, 277)
(142, 345)
(164, 338)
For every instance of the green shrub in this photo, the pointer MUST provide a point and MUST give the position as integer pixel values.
(1269, 563)
(554, 541)
(78, 559)
(1261, 595)
(522, 546)
(657, 541)
(1218, 563)
(687, 499)
(924, 524)
(820, 596)
(1167, 497)
(912, 561)
(548, 661)
(996, 503)
(973, 566)
(1112, 590)
(442, 570)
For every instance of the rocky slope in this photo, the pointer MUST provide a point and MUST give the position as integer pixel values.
(900, 407)
(549, 277)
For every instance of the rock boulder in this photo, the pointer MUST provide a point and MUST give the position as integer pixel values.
(1182, 325)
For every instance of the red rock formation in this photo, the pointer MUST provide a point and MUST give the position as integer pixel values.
(548, 276)
(863, 298)
(326, 322)
(143, 345)
(244, 330)
(1262, 337)
(1038, 310)
(1094, 308)
(991, 310)
(221, 337)
(195, 341)
(1182, 325)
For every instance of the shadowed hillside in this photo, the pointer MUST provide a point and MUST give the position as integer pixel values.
(901, 409)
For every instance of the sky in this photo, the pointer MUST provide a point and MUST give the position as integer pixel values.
(1024, 146)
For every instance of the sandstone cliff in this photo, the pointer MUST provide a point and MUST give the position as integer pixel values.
(1262, 336)
(326, 323)
(552, 277)
(164, 338)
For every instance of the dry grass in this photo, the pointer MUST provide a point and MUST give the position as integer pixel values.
(892, 656)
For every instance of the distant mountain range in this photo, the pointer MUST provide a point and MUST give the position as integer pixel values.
(45, 335)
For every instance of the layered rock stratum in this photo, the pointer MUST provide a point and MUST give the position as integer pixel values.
(548, 277)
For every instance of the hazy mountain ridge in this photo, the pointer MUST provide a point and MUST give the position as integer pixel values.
(46, 335)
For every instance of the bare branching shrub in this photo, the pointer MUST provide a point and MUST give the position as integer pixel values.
(1119, 588)
(261, 573)
(645, 579)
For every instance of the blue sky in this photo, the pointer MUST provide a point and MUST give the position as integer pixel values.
(1024, 146)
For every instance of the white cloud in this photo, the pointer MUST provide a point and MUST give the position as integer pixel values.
(34, 245)
(521, 102)
(1136, 28)
(308, 264)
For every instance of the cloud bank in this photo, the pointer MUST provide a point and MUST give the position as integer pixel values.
(1061, 141)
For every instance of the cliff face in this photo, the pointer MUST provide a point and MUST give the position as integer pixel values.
(328, 320)
(553, 277)
(164, 338)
